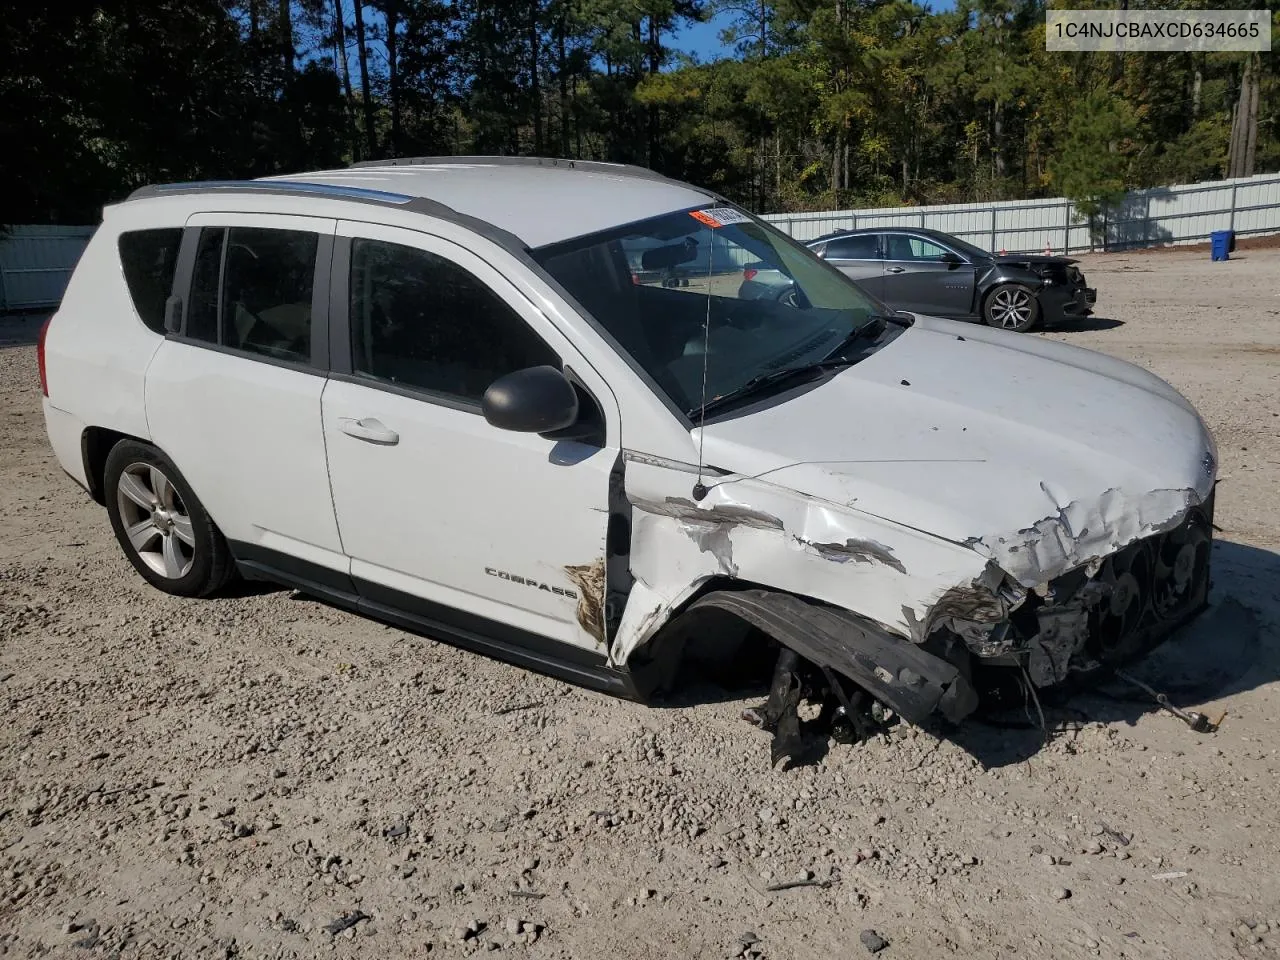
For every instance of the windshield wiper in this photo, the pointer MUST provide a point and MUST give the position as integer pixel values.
(755, 385)
(871, 327)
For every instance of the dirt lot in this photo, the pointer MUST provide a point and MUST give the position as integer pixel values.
(225, 778)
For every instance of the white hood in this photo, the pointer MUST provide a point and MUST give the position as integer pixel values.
(1040, 455)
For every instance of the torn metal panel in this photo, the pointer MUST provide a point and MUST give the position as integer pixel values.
(857, 550)
(1084, 530)
(589, 579)
(755, 531)
(900, 674)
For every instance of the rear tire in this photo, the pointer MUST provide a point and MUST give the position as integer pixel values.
(160, 524)
(1011, 306)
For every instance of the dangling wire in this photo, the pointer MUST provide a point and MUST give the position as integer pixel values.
(700, 488)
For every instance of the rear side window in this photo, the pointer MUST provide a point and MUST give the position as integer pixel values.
(422, 321)
(861, 247)
(252, 290)
(148, 258)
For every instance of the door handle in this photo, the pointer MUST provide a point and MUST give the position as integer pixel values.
(895, 269)
(370, 429)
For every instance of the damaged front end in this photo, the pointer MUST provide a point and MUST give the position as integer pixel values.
(1110, 610)
(872, 619)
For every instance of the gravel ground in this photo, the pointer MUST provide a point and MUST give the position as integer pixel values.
(227, 778)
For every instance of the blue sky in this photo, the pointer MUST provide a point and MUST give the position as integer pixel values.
(703, 39)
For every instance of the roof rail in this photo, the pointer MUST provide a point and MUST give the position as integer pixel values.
(271, 186)
(597, 166)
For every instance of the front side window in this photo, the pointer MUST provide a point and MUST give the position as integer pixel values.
(149, 258)
(421, 321)
(252, 290)
(903, 247)
(711, 283)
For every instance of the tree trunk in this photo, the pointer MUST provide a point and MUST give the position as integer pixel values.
(655, 61)
(997, 138)
(535, 88)
(1251, 129)
(391, 11)
(1195, 93)
(1233, 146)
(286, 38)
(562, 72)
(344, 71)
(370, 137)
(577, 124)
(1242, 152)
(835, 169)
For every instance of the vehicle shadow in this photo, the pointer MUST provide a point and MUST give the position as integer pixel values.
(1230, 648)
(1084, 325)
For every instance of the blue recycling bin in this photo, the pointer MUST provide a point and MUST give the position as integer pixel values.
(1220, 244)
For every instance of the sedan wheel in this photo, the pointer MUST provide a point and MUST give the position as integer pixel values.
(161, 525)
(1012, 307)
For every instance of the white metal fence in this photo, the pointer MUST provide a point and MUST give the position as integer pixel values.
(36, 262)
(1159, 215)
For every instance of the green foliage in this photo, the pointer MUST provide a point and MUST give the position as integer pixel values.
(1093, 165)
(825, 103)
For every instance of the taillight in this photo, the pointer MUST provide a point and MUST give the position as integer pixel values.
(748, 273)
(44, 377)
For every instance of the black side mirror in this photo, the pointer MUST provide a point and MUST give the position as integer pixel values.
(952, 260)
(533, 400)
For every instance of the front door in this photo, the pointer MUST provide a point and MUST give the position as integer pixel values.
(917, 278)
(491, 532)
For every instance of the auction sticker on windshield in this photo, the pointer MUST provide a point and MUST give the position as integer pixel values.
(717, 217)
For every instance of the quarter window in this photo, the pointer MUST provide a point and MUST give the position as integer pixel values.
(252, 290)
(149, 258)
(421, 321)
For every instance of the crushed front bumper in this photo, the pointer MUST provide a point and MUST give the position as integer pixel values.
(1115, 609)
(1059, 301)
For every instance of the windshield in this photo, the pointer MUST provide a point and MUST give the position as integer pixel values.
(713, 283)
(963, 247)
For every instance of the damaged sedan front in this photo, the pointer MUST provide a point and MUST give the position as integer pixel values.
(897, 501)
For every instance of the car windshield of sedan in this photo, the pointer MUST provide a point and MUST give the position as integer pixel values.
(963, 247)
(714, 285)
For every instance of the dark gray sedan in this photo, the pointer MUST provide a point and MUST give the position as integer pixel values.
(930, 272)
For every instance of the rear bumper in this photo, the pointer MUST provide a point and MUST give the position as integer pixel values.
(64, 431)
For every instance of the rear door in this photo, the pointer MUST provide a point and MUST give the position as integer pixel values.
(859, 257)
(917, 278)
(233, 393)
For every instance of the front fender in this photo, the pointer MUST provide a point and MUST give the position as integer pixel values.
(1003, 273)
(751, 530)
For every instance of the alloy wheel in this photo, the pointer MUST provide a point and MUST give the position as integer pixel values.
(156, 521)
(1011, 308)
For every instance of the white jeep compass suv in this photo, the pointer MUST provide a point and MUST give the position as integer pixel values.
(518, 404)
